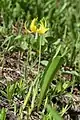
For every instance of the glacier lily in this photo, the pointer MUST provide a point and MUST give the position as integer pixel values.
(40, 30)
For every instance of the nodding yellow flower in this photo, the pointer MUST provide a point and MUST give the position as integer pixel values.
(42, 29)
(33, 27)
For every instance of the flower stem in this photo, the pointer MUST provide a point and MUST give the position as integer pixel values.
(39, 54)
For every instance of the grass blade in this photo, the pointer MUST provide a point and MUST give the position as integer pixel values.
(49, 74)
(54, 114)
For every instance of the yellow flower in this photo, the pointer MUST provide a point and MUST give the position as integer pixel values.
(33, 27)
(42, 29)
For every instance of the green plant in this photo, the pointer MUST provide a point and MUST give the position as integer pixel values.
(3, 114)
(48, 62)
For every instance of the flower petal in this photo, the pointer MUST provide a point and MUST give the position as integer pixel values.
(42, 29)
(33, 27)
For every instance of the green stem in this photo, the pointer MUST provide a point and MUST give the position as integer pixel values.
(39, 55)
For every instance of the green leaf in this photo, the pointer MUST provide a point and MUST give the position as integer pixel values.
(24, 45)
(18, 37)
(53, 113)
(10, 91)
(59, 87)
(65, 85)
(3, 114)
(44, 62)
(27, 97)
(51, 69)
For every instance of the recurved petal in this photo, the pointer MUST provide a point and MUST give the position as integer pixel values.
(33, 27)
(42, 29)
